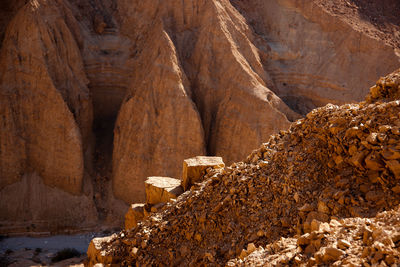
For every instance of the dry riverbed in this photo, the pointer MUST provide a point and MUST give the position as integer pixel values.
(41, 251)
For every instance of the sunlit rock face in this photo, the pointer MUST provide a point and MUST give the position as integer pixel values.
(97, 96)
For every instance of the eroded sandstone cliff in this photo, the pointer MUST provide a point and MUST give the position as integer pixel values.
(96, 96)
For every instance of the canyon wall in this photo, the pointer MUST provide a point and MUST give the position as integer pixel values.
(96, 96)
(315, 57)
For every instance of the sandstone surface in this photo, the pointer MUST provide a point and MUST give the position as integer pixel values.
(195, 168)
(29, 206)
(162, 189)
(314, 49)
(96, 254)
(95, 96)
(134, 214)
(39, 96)
(157, 121)
(323, 192)
(46, 116)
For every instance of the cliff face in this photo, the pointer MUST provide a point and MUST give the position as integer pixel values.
(315, 53)
(45, 106)
(195, 84)
(96, 96)
(157, 120)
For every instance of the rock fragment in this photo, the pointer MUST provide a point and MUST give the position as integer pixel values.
(134, 214)
(343, 244)
(95, 251)
(195, 168)
(162, 189)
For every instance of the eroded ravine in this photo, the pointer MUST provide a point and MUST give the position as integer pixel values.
(106, 56)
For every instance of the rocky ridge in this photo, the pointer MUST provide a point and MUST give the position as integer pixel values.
(95, 96)
(336, 169)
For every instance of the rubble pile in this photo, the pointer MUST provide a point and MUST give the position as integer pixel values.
(336, 163)
(347, 242)
(160, 190)
(386, 88)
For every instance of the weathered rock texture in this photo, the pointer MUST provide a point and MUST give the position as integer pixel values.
(350, 241)
(386, 88)
(46, 110)
(8, 9)
(95, 96)
(195, 168)
(331, 171)
(134, 215)
(162, 189)
(96, 254)
(29, 205)
(157, 121)
(44, 100)
(314, 52)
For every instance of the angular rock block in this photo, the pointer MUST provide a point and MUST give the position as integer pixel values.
(195, 168)
(134, 215)
(162, 189)
(96, 254)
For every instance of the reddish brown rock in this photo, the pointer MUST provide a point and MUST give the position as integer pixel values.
(292, 34)
(158, 125)
(46, 121)
(39, 129)
(386, 88)
(134, 215)
(95, 253)
(185, 78)
(162, 189)
(195, 168)
(254, 201)
(394, 166)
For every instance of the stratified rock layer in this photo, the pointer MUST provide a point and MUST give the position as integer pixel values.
(46, 116)
(314, 55)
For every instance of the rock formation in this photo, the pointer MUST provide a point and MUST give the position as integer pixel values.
(161, 190)
(46, 111)
(323, 192)
(95, 96)
(134, 215)
(157, 120)
(314, 51)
